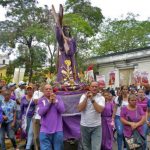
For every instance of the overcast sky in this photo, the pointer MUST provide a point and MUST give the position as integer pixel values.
(110, 8)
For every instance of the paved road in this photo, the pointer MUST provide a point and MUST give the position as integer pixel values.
(22, 143)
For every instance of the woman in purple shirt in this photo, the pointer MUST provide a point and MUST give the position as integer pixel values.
(28, 109)
(132, 116)
(107, 128)
(142, 101)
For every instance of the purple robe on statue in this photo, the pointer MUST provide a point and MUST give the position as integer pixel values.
(62, 66)
(107, 128)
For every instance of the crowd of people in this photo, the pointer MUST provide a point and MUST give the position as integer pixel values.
(37, 110)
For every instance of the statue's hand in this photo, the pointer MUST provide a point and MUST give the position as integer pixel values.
(61, 10)
(55, 15)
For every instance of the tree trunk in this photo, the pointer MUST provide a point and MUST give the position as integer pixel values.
(30, 58)
(31, 64)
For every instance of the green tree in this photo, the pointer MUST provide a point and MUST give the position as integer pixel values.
(85, 21)
(25, 27)
(84, 9)
(121, 35)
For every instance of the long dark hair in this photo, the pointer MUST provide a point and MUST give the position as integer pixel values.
(120, 98)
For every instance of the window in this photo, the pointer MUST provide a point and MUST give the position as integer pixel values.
(4, 62)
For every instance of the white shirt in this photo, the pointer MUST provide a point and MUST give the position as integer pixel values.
(124, 103)
(90, 117)
(19, 94)
(37, 95)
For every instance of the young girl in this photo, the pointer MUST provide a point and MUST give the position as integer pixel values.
(107, 128)
(120, 101)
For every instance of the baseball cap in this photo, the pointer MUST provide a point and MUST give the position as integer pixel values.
(11, 84)
(21, 83)
(29, 87)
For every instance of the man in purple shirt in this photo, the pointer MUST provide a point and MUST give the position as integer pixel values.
(50, 108)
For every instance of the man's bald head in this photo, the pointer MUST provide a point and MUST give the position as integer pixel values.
(94, 87)
(47, 90)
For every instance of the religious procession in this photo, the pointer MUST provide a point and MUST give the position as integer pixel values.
(99, 103)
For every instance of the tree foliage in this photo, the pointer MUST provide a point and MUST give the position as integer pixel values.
(24, 27)
(121, 35)
(84, 9)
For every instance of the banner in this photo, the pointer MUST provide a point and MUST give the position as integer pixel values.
(18, 74)
(112, 78)
(141, 77)
(137, 77)
(89, 75)
(144, 77)
(101, 80)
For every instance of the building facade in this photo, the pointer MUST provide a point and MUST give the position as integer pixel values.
(4, 61)
(123, 64)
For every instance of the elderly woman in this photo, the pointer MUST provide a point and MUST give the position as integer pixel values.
(9, 119)
(133, 117)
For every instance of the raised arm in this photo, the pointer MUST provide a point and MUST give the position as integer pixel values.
(60, 105)
(99, 107)
(83, 103)
(43, 107)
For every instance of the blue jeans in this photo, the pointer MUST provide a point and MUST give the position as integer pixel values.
(6, 127)
(29, 133)
(51, 141)
(119, 129)
(145, 127)
(91, 137)
(146, 132)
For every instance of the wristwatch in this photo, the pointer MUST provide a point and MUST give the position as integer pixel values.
(92, 101)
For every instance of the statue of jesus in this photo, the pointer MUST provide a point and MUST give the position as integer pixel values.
(67, 71)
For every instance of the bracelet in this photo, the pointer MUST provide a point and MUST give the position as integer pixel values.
(92, 101)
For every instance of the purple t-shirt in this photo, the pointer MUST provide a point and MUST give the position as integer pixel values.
(132, 116)
(24, 105)
(51, 119)
(142, 103)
